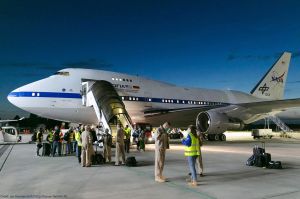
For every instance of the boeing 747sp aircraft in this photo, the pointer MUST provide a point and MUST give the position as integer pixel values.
(63, 96)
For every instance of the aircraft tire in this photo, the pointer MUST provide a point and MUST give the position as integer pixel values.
(222, 137)
(216, 137)
(210, 137)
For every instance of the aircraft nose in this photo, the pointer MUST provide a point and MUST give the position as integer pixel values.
(12, 97)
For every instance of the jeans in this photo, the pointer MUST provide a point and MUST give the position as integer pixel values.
(57, 145)
(69, 148)
(74, 146)
(38, 147)
(192, 165)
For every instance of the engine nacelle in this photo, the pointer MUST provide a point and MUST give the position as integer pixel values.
(213, 122)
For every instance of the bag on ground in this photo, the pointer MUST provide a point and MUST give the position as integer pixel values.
(131, 162)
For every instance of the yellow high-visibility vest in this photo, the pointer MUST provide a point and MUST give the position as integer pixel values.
(77, 138)
(50, 138)
(194, 149)
(127, 132)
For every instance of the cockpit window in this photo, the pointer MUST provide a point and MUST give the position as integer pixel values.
(63, 73)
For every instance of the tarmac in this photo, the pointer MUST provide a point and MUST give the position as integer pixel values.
(24, 175)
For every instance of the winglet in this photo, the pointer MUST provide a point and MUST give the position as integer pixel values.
(272, 85)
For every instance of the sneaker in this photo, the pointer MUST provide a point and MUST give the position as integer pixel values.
(193, 184)
(159, 180)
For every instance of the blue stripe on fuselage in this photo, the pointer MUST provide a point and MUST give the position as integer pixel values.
(45, 94)
(124, 98)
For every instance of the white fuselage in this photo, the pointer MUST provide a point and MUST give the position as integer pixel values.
(59, 96)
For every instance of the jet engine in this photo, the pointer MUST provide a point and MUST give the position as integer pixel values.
(213, 122)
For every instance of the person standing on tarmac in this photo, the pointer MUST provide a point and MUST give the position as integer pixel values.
(127, 138)
(107, 142)
(79, 144)
(161, 144)
(50, 139)
(135, 136)
(56, 142)
(192, 151)
(120, 150)
(141, 139)
(87, 147)
(199, 158)
(39, 139)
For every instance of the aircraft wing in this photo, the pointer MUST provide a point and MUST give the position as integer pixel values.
(157, 116)
(246, 112)
(271, 106)
(261, 107)
(5, 121)
(155, 112)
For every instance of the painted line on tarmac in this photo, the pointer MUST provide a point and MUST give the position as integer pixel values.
(3, 149)
(6, 157)
(173, 184)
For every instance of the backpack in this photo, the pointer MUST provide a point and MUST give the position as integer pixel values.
(251, 161)
(66, 136)
(131, 162)
(33, 137)
(97, 158)
(56, 136)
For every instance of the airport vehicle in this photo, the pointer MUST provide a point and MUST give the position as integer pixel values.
(10, 134)
(262, 133)
(92, 96)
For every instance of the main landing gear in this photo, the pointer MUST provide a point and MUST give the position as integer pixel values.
(215, 137)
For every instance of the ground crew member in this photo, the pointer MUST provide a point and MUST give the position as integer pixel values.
(127, 138)
(161, 144)
(39, 139)
(199, 158)
(70, 141)
(50, 139)
(191, 151)
(87, 146)
(120, 149)
(107, 143)
(56, 142)
(79, 144)
(73, 141)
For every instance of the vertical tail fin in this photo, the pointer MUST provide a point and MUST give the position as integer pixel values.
(272, 85)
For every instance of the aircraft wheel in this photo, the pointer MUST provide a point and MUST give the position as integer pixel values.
(222, 137)
(210, 137)
(216, 137)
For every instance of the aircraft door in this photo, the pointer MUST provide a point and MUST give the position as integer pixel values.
(148, 100)
(84, 90)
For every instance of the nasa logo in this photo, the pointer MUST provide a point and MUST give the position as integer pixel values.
(277, 78)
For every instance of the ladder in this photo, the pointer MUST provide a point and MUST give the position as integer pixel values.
(280, 123)
(103, 97)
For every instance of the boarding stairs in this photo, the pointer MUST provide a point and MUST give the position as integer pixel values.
(280, 124)
(103, 97)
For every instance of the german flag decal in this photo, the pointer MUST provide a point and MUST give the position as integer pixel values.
(135, 87)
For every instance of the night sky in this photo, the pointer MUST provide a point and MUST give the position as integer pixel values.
(210, 44)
